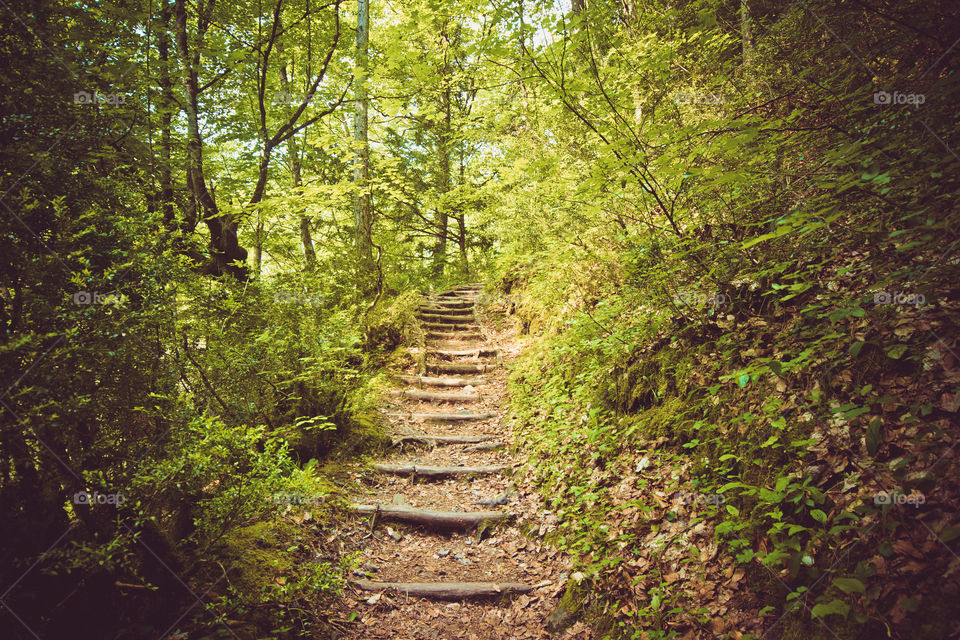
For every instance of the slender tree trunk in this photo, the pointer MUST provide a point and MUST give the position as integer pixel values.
(227, 256)
(166, 118)
(258, 245)
(462, 223)
(362, 206)
(306, 239)
(443, 184)
(745, 35)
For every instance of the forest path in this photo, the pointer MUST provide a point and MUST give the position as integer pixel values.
(444, 556)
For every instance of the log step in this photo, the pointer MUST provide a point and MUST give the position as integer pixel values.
(436, 396)
(440, 440)
(441, 382)
(453, 344)
(447, 305)
(442, 318)
(432, 519)
(443, 417)
(442, 311)
(447, 590)
(455, 335)
(462, 326)
(487, 446)
(482, 352)
(438, 472)
(459, 367)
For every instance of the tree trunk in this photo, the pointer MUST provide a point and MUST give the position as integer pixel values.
(443, 180)
(745, 36)
(362, 207)
(258, 245)
(166, 117)
(226, 254)
(306, 239)
(462, 224)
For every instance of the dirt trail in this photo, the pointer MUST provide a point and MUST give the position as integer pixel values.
(479, 576)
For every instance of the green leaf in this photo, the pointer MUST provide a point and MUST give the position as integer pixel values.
(949, 534)
(834, 607)
(818, 515)
(732, 510)
(896, 351)
(849, 585)
(855, 348)
(743, 380)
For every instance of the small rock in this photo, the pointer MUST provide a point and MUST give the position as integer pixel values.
(393, 534)
(443, 552)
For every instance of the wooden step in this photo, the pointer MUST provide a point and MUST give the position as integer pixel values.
(434, 345)
(443, 417)
(487, 446)
(459, 367)
(487, 352)
(447, 312)
(440, 440)
(447, 305)
(432, 519)
(459, 326)
(441, 318)
(442, 382)
(451, 295)
(455, 335)
(446, 590)
(436, 396)
(438, 472)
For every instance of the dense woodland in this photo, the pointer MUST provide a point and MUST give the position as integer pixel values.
(727, 231)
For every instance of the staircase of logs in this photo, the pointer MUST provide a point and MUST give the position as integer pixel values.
(456, 357)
